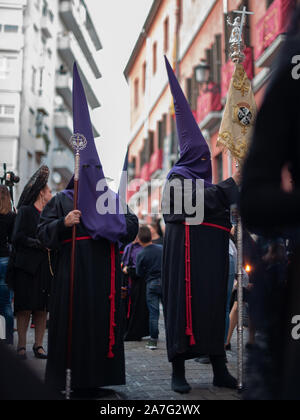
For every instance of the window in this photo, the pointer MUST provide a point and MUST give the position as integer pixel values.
(269, 2)
(33, 79)
(214, 60)
(7, 113)
(4, 67)
(217, 60)
(45, 8)
(51, 16)
(136, 93)
(154, 52)
(166, 34)
(144, 75)
(11, 28)
(162, 132)
(41, 77)
(151, 142)
(174, 140)
(188, 83)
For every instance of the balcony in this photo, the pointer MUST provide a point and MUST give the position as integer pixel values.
(63, 124)
(155, 162)
(145, 175)
(270, 30)
(70, 52)
(40, 146)
(64, 87)
(209, 107)
(228, 68)
(63, 162)
(74, 18)
(11, 41)
(43, 102)
(46, 26)
(9, 126)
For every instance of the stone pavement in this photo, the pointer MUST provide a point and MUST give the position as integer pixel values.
(148, 372)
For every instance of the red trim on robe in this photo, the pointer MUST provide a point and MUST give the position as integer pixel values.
(112, 323)
(78, 238)
(188, 291)
(129, 299)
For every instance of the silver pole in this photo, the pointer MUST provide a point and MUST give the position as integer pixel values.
(237, 56)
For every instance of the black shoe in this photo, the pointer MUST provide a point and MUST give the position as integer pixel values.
(180, 385)
(222, 377)
(225, 381)
(21, 356)
(37, 354)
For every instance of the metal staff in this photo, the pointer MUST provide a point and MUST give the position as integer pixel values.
(78, 142)
(237, 56)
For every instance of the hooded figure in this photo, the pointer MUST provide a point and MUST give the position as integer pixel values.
(195, 260)
(97, 342)
(271, 209)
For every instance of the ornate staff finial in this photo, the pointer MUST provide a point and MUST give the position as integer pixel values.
(78, 143)
(236, 39)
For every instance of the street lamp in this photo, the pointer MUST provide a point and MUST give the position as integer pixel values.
(202, 76)
(202, 72)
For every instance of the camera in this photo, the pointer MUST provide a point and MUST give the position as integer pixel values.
(9, 178)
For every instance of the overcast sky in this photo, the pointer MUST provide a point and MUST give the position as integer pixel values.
(119, 23)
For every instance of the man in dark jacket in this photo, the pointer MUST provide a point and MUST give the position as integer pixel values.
(148, 266)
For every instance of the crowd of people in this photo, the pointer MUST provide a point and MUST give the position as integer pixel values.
(124, 269)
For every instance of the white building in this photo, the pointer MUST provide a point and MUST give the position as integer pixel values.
(11, 60)
(53, 34)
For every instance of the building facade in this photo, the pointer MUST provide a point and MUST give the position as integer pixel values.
(54, 34)
(189, 32)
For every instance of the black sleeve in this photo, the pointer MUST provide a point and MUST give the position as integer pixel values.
(51, 226)
(23, 235)
(132, 226)
(11, 226)
(217, 199)
(220, 196)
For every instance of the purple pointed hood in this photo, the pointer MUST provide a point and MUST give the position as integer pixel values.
(195, 159)
(112, 225)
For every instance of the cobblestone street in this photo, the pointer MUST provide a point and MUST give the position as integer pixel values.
(148, 373)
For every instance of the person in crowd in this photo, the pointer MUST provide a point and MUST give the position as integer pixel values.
(95, 354)
(231, 277)
(32, 272)
(156, 237)
(148, 267)
(195, 258)
(137, 314)
(7, 219)
(268, 209)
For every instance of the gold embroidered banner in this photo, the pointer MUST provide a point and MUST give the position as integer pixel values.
(239, 115)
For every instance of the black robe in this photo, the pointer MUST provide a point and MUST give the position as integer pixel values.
(31, 278)
(91, 366)
(209, 276)
(137, 315)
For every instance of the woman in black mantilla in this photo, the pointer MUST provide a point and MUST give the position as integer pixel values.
(32, 276)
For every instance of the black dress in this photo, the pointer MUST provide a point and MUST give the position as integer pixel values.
(96, 261)
(137, 315)
(209, 261)
(32, 276)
